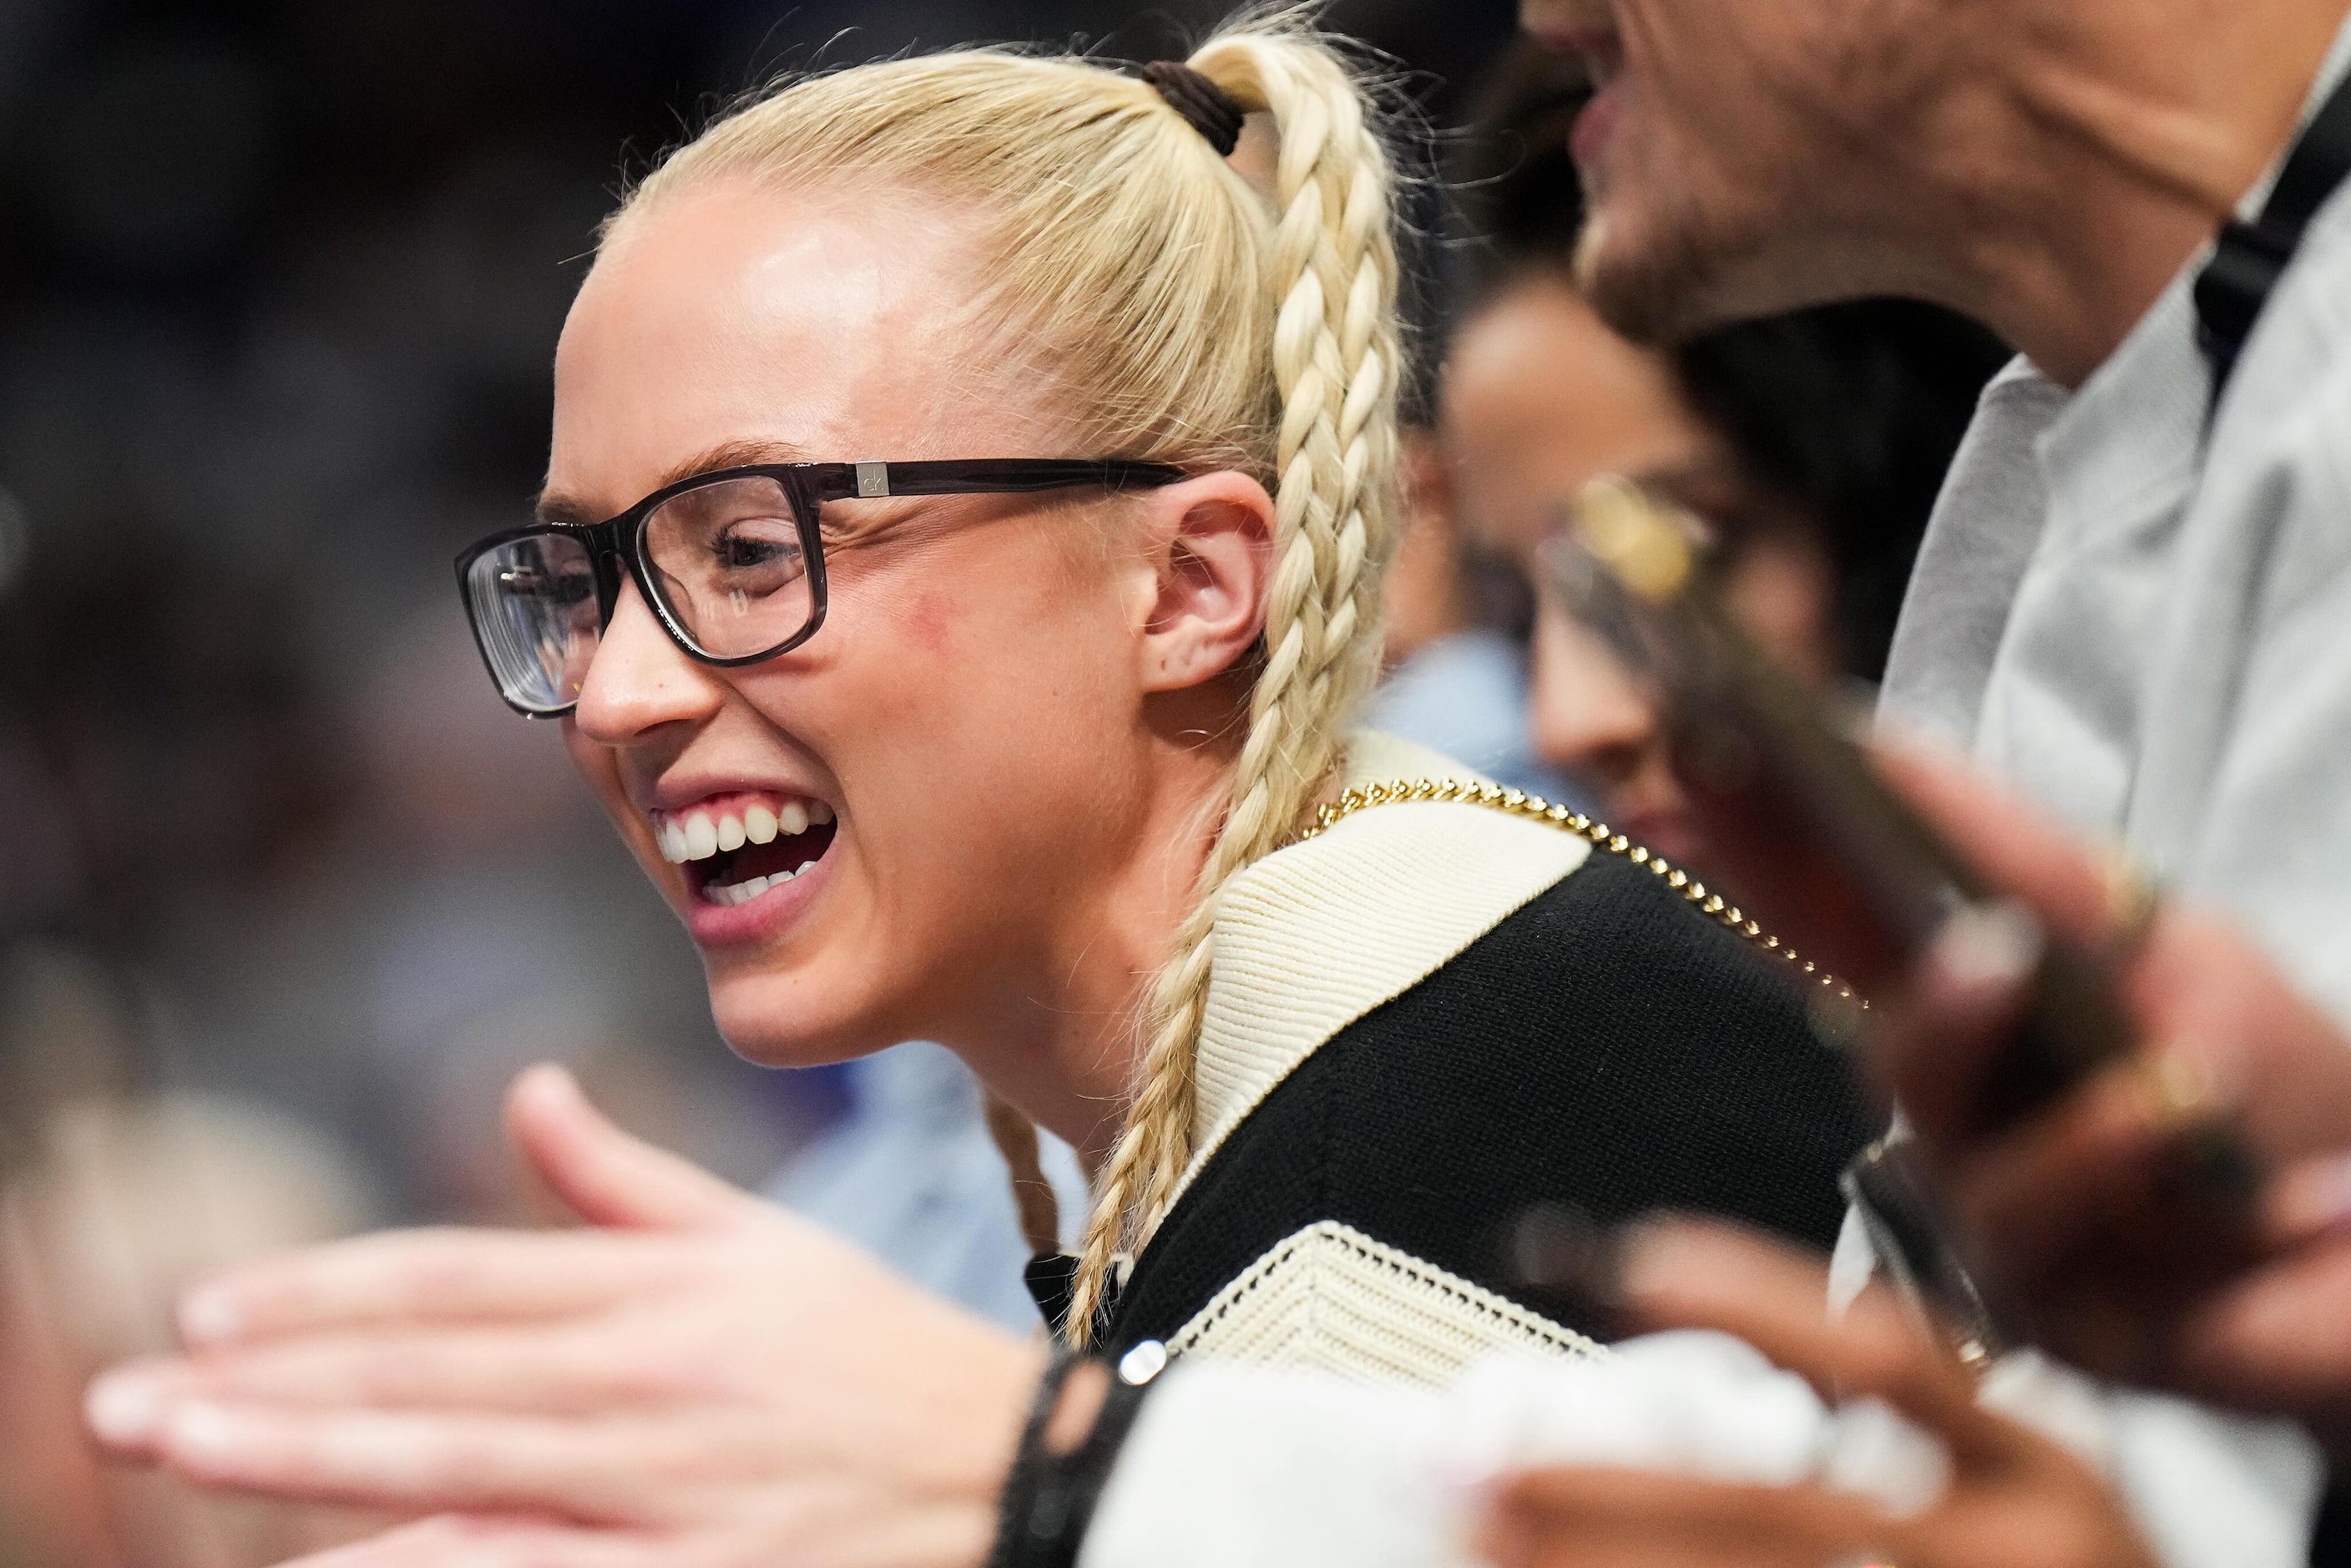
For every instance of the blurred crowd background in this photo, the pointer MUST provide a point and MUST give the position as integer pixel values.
(285, 894)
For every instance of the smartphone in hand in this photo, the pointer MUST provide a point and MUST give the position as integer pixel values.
(1829, 859)
(1825, 854)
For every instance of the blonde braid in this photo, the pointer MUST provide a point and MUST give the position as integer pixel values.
(1336, 361)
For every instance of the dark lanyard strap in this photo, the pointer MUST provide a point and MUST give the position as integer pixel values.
(2236, 283)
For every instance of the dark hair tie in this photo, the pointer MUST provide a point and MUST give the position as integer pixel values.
(1210, 108)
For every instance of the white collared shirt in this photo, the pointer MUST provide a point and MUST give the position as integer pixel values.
(2146, 625)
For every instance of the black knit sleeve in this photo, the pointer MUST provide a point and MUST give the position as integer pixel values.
(1606, 1046)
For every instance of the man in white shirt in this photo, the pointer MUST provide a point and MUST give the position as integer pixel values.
(2136, 619)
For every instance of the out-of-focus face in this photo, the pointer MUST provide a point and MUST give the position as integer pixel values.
(956, 746)
(1539, 399)
(1734, 155)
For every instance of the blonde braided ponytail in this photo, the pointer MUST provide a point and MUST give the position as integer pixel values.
(1336, 365)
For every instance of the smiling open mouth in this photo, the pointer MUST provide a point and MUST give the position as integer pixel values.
(733, 854)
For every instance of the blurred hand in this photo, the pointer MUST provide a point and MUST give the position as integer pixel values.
(702, 1382)
(2013, 1497)
(2090, 1216)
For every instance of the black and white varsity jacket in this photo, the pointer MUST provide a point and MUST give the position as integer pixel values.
(1427, 1020)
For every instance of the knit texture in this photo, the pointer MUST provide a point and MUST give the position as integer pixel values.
(1313, 938)
(1332, 1299)
(1605, 1047)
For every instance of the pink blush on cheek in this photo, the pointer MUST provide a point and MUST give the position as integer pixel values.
(926, 621)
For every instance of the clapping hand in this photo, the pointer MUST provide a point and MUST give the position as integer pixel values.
(694, 1380)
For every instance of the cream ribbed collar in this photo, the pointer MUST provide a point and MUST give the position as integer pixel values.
(1311, 938)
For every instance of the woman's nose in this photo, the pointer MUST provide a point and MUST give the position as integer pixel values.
(640, 680)
(1588, 718)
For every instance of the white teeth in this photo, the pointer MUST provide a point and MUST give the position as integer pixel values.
(735, 892)
(699, 836)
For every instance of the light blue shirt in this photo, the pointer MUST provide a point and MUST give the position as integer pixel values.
(911, 1175)
(1465, 696)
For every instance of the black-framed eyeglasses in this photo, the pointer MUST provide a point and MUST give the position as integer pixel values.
(731, 562)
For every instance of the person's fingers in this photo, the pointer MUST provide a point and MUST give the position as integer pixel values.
(608, 1176)
(2277, 1338)
(123, 1408)
(2010, 842)
(458, 1541)
(2276, 1064)
(2308, 1201)
(423, 1276)
(1931, 1039)
(1698, 1274)
(409, 1463)
(1600, 1518)
(533, 1370)
(2109, 1148)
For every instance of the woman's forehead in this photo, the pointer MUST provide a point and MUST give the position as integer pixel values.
(737, 315)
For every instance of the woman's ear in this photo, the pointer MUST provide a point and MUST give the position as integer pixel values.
(1211, 544)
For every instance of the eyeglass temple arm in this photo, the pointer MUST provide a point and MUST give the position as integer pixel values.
(992, 475)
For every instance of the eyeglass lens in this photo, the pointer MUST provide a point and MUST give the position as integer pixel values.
(726, 559)
(727, 562)
(534, 605)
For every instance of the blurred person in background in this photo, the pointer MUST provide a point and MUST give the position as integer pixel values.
(1812, 444)
(1131, 693)
(1809, 444)
(1457, 669)
(2114, 606)
(111, 1202)
(258, 338)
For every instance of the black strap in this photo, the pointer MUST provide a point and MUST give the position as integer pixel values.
(2236, 284)
(1049, 1498)
(1029, 1460)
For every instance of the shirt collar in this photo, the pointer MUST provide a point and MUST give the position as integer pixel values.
(2135, 430)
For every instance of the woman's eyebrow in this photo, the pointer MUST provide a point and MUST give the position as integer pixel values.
(554, 507)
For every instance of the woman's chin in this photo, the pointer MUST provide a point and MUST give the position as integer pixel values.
(807, 1014)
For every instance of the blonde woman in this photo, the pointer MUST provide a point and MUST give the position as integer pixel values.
(959, 561)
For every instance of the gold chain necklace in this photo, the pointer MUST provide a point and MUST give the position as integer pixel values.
(1519, 803)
